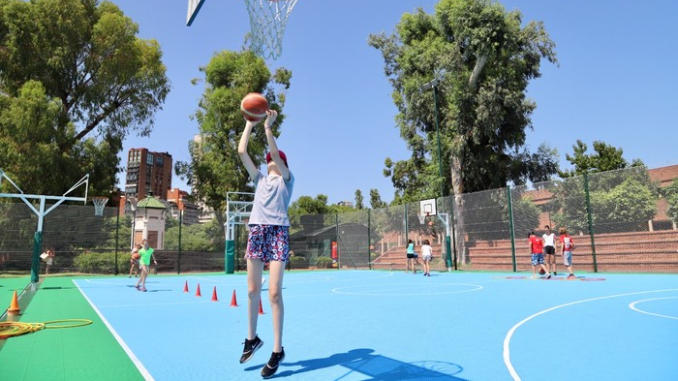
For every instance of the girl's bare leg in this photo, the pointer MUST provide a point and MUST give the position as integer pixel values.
(255, 269)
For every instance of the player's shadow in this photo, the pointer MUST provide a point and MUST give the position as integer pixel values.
(375, 366)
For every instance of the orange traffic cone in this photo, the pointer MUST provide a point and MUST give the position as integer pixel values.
(214, 294)
(186, 287)
(261, 309)
(14, 306)
(234, 301)
(197, 291)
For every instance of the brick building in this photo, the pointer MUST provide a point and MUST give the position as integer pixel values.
(148, 173)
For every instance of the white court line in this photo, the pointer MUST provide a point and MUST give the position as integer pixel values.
(105, 282)
(142, 369)
(509, 335)
(154, 304)
(386, 290)
(326, 278)
(633, 307)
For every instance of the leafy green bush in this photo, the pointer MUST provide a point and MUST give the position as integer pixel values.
(100, 263)
(324, 263)
(298, 262)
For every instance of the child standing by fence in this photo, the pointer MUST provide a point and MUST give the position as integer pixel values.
(537, 250)
(427, 254)
(566, 244)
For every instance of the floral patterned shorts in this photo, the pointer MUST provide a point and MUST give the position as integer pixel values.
(268, 243)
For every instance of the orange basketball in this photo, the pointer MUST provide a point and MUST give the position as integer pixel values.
(254, 107)
(136, 256)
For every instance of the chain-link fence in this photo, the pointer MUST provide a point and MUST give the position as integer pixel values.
(619, 221)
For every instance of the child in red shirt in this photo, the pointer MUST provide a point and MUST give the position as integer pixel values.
(537, 250)
(567, 244)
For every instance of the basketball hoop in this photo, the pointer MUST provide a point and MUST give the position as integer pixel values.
(99, 204)
(422, 217)
(268, 19)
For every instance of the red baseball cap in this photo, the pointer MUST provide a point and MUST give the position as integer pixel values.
(282, 156)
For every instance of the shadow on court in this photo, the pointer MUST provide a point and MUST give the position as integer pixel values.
(375, 366)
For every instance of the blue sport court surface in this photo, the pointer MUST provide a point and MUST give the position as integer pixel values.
(380, 325)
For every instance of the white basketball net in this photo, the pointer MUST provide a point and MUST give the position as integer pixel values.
(267, 21)
(99, 204)
(422, 217)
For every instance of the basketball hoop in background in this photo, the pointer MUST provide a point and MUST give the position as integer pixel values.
(422, 217)
(268, 19)
(99, 204)
(427, 208)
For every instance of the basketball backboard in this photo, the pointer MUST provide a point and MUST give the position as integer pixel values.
(428, 207)
(193, 9)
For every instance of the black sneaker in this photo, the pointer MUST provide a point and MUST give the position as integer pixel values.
(272, 365)
(555, 273)
(251, 346)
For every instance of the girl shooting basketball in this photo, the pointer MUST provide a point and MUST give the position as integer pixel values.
(267, 241)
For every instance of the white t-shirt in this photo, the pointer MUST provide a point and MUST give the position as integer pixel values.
(271, 200)
(549, 239)
(426, 251)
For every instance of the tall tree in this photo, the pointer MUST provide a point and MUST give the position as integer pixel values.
(215, 167)
(305, 205)
(80, 62)
(359, 199)
(671, 194)
(375, 199)
(605, 158)
(478, 60)
(622, 196)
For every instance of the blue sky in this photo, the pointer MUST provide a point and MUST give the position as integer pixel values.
(616, 82)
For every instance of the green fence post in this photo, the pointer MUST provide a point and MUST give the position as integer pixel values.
(454, 233)
(35, 261)
(448, 255)
(513, 235)
(336, 229)
(407, 236)
(181, 222)
(590, 219)
(369, 240)
(117, 230)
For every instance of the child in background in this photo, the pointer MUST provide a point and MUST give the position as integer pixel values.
(567, 245)
(145, 256)
(134, 261)
(411, 257)
(49, 256)
(427, 254)
(537, 250)
(549, 239)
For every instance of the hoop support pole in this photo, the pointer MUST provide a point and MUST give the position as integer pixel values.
(35, 263)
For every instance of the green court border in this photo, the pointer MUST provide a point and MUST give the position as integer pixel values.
(83, 353)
